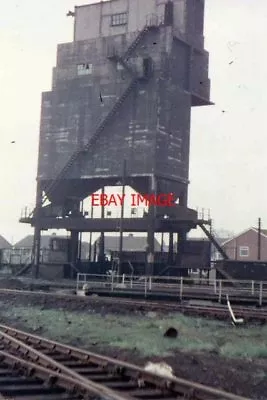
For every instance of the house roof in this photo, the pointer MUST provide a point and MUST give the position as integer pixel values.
(4, 244)
(219, 240)
(263, 233)
(130, 243)
(27, 241)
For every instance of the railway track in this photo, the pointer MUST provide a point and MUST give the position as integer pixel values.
(216, 311)
(248, 313)
(35, 368)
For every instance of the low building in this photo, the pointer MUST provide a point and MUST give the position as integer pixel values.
(54, 249)
(5, 247)
(134, 247)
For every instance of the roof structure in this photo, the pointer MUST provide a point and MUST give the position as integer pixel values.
(263, 233)
(130, 243)
(27, 241)
(4, 244)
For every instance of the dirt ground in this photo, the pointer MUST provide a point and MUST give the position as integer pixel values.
(245, 376)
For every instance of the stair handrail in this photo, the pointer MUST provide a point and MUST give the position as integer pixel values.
(77, 152)
(89, 143)
(25, 266)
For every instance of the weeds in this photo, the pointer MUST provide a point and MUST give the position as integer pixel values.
(142, 333)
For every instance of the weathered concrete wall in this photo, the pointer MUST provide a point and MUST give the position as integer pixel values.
(77, 105)
(151, 129)
(173, 131)
(94, 20)
(154, 119)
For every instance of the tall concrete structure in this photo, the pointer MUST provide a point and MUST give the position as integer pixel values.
(122, 90)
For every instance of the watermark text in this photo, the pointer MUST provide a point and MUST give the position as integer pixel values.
(161, 200)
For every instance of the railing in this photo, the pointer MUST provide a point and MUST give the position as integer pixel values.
(27, 212)
(154, 20)
(179, 286)
(203, 214)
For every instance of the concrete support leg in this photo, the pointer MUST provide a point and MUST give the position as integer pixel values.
(180, 247)
(36, 251)
(90, 248)
(95, 252)
(91, 235)
(170, 250)
(150, 245)
(101, 255)
(151, 231)
(74, 246)
(121, 219)
(37, 233)
(182, 235)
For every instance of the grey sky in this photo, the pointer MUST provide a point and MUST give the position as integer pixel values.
(228, 140)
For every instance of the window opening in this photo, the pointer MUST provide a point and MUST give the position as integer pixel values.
(84, 69)
(243, 251)
(119, 19)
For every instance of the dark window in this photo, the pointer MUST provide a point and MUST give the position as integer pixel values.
(84, 69)
(119, 19)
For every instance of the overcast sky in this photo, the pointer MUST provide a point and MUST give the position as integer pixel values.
(228, 141)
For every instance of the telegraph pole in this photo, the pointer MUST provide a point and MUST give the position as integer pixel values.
(259, 239)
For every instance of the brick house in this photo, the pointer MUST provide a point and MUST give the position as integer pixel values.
(244, 246)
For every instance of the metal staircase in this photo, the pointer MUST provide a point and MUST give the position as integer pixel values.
(123, 60)
(117, 58)
(219, 268)
(100, 128)
(213, 241)
(139, 37)
(25, 267)
(112, 112)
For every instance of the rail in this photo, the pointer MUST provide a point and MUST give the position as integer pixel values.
(185, 307)
(97, 374)
(24, 376)
(180, 286)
